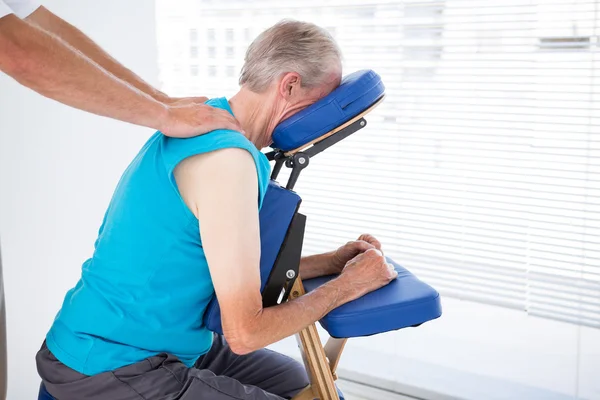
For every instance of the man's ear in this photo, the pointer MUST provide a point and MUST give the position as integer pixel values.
(290, 85)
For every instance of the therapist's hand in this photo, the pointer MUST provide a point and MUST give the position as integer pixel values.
(187, 118)
(183, 101)
(347, 252)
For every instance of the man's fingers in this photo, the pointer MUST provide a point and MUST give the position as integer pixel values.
(393, 271)
(361, 246)
(374, 252)
(370, 239)
(354, 249)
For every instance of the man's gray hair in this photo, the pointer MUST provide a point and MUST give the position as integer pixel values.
(290, 46)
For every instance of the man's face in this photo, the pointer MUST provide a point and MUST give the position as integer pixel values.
(288, 97)
(308, 96)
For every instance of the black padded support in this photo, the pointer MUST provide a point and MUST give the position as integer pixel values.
(287, 266)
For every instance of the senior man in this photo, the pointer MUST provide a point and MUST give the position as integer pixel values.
(183, 225)
(55, 59)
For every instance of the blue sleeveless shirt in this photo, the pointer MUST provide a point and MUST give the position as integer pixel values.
(147, 285)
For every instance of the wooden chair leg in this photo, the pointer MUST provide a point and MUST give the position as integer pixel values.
(305, 394)
(322, 384)
(333, 352)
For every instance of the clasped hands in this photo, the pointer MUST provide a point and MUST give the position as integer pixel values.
(360, 264)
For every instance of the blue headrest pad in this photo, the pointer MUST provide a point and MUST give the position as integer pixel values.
(357, 92)
(276, 214)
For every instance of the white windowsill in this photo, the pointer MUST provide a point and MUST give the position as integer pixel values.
(477, 352)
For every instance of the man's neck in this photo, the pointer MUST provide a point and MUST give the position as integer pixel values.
(253, 113)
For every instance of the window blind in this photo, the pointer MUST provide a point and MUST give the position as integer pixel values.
(480, 172)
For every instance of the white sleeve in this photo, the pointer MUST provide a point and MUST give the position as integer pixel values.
(22, 8)
(4, 9)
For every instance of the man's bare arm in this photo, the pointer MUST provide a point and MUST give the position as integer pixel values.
(221, 190)
(318, 265)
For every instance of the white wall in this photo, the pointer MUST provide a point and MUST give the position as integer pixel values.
(58, 167)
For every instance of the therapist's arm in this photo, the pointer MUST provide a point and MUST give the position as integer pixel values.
(56, 70)
(220, 188)
(46, 20)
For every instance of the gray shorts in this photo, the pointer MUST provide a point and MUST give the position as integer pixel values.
(218, 375)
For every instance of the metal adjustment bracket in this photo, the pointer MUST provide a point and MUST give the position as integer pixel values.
(297, 163)
(299, 158)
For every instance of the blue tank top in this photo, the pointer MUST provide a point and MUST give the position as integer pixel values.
(147, 285)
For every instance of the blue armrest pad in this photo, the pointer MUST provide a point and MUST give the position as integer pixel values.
(357, 92)
(405, 302)
(276, 214)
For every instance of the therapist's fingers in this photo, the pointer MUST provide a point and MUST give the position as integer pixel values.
(197, 100)
(184, 101)
(217, 118)
(197, 119)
